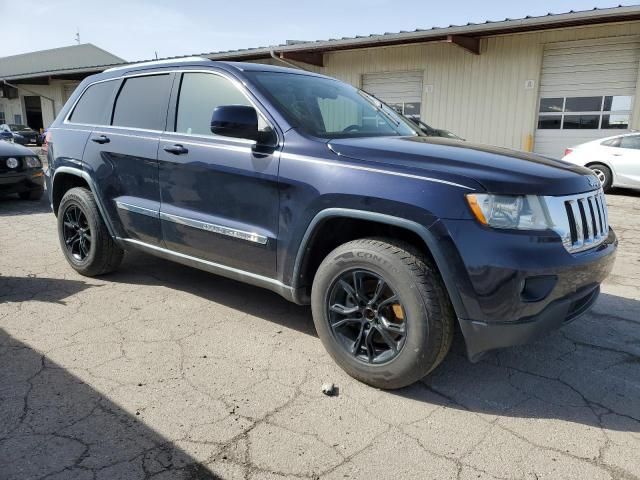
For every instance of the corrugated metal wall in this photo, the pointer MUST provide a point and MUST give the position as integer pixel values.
(482, 98)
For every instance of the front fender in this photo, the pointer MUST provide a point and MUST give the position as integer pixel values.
(433, 235)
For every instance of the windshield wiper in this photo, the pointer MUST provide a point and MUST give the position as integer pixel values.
(379, 106)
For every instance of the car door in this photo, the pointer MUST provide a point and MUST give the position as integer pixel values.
(626, 161)
(219, 194)
(123, 155)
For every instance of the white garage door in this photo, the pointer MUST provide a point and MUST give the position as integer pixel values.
(401, 90)
(587, 90)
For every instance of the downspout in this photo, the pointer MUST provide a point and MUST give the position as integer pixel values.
(286, 62)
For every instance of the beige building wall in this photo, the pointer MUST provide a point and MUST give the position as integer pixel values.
(54, 91)
(483, 98)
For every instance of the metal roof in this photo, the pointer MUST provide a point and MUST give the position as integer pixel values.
(55, 60)
(470, 30)
(487, 28)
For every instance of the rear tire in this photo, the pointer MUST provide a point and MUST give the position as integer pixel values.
(84, 238)
(425, 312)
(32, 194)
(604, 175)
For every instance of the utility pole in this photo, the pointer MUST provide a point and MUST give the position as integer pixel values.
(78, 36)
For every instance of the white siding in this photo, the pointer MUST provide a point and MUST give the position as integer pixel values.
(54, 91)
(479, 97)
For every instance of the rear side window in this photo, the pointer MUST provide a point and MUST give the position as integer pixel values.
(94, 107)
(142, 102)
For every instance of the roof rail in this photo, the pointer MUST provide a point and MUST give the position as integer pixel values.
(157, 62)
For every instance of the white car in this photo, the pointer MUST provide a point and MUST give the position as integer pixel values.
(614, 160)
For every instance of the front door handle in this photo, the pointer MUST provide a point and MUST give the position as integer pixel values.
(101, 139)
(176, 150)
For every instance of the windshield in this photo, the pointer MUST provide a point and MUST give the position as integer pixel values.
(328, 108)
(19, 127)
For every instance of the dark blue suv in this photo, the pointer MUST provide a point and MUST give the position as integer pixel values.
(304, 185)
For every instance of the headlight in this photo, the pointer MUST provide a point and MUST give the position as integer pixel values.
(33, 162)
(520, 212)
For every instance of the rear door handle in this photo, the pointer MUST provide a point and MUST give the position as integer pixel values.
(176, 150)
(101, 139)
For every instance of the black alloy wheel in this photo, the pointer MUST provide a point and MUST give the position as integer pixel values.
(366, 316)
(76, 233)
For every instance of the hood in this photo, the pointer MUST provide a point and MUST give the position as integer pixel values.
(498, 170)
(13, 150)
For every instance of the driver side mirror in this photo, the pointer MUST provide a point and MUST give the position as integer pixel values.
(237, 121)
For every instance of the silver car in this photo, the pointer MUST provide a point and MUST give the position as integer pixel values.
(614, 160)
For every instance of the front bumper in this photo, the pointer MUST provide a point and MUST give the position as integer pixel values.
(25, 181)
(515, 286)
(481, 337)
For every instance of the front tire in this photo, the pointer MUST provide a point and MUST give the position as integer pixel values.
(604, 175)
(84, 238)
(381, 310)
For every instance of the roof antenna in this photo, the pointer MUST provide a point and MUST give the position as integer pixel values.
(156, 52)
(78, 36)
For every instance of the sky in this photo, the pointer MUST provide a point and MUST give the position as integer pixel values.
(136, 30)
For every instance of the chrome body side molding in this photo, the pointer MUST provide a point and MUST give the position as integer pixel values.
(137, 209)
(212, 227)
(190, 222)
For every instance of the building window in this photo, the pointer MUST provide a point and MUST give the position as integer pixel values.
(580, 113)
(17, 119)
(2, 120)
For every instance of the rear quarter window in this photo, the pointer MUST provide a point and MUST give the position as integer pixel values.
(142, 102)
(94, 107)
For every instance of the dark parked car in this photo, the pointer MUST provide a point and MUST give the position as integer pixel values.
(20, 134)
(20, 172)
(304, 185)
(433, 132)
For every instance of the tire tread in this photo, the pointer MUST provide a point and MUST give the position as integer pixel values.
(108, 254)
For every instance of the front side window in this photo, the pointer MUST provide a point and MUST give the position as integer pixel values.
(94, 107)
(200, 94)
(142, 102)
(591, 113)
(328, 108)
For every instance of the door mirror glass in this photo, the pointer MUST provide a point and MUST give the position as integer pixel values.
(238, 121)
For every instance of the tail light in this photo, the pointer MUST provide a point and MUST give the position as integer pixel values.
(567, 151)
(45, 144)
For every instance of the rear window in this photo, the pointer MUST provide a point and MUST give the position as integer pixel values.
(612, 142)
(630, 141)
(94, 107)
(142, 102)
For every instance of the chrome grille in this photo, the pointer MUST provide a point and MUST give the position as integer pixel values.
(582, 220)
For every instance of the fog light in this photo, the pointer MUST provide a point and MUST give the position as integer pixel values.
(12, 162)
(538, 288)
